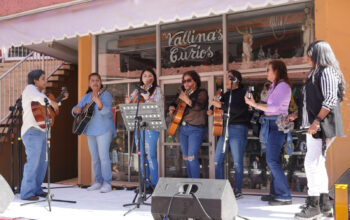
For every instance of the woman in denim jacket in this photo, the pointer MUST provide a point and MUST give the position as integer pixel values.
(99, 131)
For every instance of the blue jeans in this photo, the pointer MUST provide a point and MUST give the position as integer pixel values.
(191, 139)
(237, 141)
(279, 185)
(34, 172)
(99, 150)
(151, 162)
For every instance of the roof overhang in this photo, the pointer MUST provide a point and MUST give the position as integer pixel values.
(55, 31)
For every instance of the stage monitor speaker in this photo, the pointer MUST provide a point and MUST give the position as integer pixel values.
(6, 194)
(344, 179)
(176, 198)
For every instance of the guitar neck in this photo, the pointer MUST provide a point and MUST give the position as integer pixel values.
(59, 98)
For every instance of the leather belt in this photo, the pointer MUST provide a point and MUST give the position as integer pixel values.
(198, 126)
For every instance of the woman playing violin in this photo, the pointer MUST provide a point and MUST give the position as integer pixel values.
(193, 128)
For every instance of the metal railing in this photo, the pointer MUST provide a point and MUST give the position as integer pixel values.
(14, 80)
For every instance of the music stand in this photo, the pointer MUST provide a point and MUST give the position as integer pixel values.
(142, 116)
(49, 196)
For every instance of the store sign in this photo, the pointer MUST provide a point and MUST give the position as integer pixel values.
(186, 45)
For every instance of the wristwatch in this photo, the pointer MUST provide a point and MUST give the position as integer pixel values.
(318, 119)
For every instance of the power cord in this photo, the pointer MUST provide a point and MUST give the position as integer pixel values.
(195, 197)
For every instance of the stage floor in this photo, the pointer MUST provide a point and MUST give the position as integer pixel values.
(96, 205)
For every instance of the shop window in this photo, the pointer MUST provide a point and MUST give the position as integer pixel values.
(192, 45)
(119, 149)
(123, 55)
(256, 37)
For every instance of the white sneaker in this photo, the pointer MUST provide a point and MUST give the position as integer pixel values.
(94, 186)
(106, 187)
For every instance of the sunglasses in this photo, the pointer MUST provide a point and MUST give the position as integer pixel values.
(186, 81)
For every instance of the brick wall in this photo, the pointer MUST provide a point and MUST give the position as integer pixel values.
(8, 7)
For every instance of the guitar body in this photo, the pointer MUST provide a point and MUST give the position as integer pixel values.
(180, 110)
(83, 119)
(39, 112)
(218, 121)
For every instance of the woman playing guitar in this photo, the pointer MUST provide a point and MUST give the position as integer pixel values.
(193, 128)
(238, 129)
(100, 131)
(148, 82)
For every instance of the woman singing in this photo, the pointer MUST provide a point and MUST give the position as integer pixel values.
(194, 122)
(99, 131)
(277, 100)
(238, 130)
(148, 82)
(323, 92)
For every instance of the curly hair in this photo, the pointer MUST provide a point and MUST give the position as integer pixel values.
(195, 77)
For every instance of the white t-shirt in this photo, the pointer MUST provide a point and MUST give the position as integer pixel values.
(31, 94)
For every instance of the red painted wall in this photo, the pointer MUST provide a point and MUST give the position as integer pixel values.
(8, 7)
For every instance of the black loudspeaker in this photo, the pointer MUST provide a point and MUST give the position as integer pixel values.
(6, 194)
(344, 179)
(179, 198)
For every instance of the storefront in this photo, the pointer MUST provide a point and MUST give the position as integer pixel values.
(251, 39)
(120, 38)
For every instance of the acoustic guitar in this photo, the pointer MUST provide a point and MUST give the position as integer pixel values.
(82, 119)
(178, 114)
(218, 116)
(39, 110)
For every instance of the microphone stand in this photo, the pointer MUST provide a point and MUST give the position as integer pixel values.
(49, 196)
(227, 119)
(19, 143)
(13, 116)
(140, 193)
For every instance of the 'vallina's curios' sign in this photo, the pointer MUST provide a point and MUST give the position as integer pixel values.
(185, 45)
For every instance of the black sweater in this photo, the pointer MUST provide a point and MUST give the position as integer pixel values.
(239, 109)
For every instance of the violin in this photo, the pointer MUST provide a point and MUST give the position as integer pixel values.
(179, 112)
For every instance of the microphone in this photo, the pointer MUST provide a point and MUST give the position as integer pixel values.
(250, 90)
(46, 100)
(232, 78)
(141, 90)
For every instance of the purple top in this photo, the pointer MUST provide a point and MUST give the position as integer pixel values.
(278, 99)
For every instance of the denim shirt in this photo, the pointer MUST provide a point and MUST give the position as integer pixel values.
(102, 120)
(264, 133)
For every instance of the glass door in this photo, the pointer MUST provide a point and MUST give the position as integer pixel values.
(169, 154)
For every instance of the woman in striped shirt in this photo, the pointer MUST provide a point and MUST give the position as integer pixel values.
(323, 92)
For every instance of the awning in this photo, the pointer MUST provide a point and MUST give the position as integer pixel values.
(99, 16)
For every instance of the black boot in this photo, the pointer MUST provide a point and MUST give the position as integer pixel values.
(311, 211)
(303, 206)
(325, 205)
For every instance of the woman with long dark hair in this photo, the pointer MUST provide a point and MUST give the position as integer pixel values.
(237, 130)
(271, 138)
(148, 82)
(323, 92)
(99, 131)
(194, 121)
